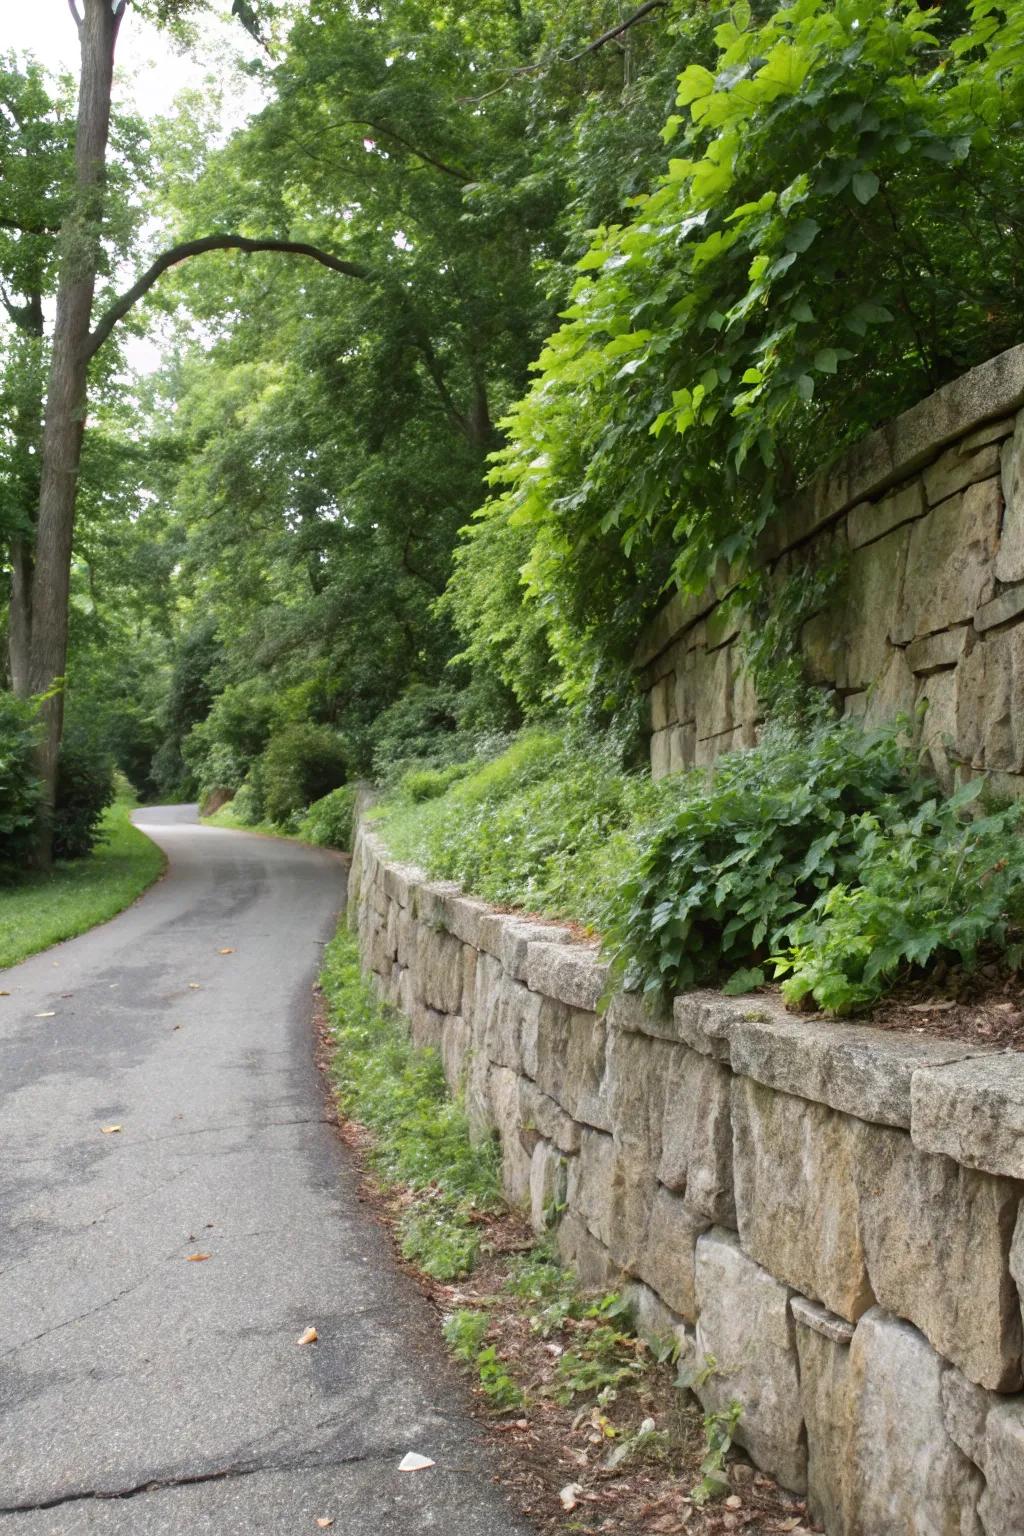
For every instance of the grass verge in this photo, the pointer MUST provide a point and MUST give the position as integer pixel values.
(226, 817)
(43, 909)
(587, 1420)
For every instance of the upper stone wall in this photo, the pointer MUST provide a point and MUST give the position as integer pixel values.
(928, 513)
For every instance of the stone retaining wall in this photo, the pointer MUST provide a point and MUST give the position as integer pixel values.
(928, 516)
(830, 1211)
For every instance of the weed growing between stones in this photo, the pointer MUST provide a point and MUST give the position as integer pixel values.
(591, 1431)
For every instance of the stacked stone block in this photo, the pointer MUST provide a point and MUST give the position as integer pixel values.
(928, 516)
(833, 1213)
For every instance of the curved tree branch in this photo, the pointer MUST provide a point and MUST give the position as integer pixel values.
(574, 58)
(189, 248)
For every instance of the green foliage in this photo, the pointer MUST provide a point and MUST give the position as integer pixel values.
(744, 852)
(19, 785)
(793, 280)
(85, 787)
(421, 1136)
(329, 820)
(719, 1431)
(301, 764)
(544, 826)
(41, 909)
(465, 1333)
(935, 885)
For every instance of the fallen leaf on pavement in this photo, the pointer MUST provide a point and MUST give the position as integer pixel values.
(225, 951)
(194, 986)
(309, 1337)
(570, 1495)
(110, 1130)
(412, 1461)
(734, 1501)
(46, 1015)
(4, 994)
(324, 1521)
(197, 1258)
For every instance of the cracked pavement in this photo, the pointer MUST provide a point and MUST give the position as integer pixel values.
(142, 1392)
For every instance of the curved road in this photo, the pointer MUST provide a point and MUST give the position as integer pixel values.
(143, 1392)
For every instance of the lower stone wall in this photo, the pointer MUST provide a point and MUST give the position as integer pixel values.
(831, 1212)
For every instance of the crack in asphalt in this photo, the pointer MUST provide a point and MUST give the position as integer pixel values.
(210, 1475)
(130, 1144)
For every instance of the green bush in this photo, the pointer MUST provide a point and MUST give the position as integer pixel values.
(743, 852)
(329, 820)
(938, 884)
(85, 787)
(19, 785)
(301, 764)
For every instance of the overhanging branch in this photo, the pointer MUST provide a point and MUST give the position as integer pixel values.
(190, 248)
(575, 58)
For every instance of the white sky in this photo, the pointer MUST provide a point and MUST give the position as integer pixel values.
(150, 73)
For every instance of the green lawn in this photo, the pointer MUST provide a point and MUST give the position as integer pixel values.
(40, 910)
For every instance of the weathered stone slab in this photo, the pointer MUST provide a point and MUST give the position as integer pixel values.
(430, 902)
(594, 1266)
(636, 1014)
(810, 1314)
(937, 1243)
(827, 1408)
(464, 916)
(572, 974)
(950, 563)
(653, 1320)
(503, 1041)
(965, 1410)
(973, 1111)
(439, 969)
(570, 1063)
(893, 691)
(456, 1043)
(907, 1475)
(540, 1113)
(516, 939)
(1003, 609)
(612, 1196)
(744, 1324)
(713, 678)
(990, 702)
(1010, 560)
(515, 1159)
(795, 1167)
(660, 754)
(704, 1019)
(696, 1135)
(871, 520)
(548, 1185)
(682, 746)
(1001, 1506)
(635, 1083)
(660, 694)
(850, 1067)
(667, 1255)
(934, 652)
(400, 881)
(874, 586)
(954, 470)
(491, 931)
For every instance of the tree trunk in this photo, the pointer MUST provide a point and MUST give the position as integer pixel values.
(19, 626)
(66, 394)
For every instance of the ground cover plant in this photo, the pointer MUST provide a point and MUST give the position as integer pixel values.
(592, 1429)
(824, 856)
(44, 908)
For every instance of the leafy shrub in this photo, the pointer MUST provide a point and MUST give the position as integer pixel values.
(221, 749)
(329, 820)
(935, 885)
(420, 784)
(301, 764)
(19, 785)
(744, 852)
(85, 787)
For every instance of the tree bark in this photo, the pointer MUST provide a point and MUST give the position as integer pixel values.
(64, 423)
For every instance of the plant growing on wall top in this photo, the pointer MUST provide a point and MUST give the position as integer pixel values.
(840, 231)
